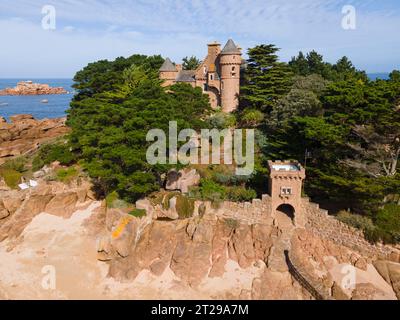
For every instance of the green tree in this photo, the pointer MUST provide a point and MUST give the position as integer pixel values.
(300, 65)
(316, 63)
(266, 80)
(109, 124)
(313, 64)
(302, 100)
(395, 76)
(191, 63)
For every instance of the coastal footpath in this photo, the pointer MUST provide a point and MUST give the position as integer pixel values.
(28, 88)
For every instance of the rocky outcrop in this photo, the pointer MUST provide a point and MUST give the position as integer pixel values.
(182, 180)
(201, 248)
(193, 248)
(217, 251)
(24, 134)
(18, 208)
(26, 88)
(390, 271)
(337, 271)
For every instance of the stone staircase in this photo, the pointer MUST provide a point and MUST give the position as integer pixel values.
(281, 243)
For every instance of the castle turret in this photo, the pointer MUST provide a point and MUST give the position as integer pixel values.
(168, 72)
(285, 187)
(230, 62)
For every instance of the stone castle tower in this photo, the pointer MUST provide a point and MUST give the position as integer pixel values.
(218, 75)
(285, 187)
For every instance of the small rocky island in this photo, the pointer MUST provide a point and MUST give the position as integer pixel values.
(28, 88)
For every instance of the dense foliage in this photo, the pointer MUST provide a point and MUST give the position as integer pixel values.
(331, 116)
(266, 79)
(191, 63)
(345, 126)
(110, 121)
(49, 153)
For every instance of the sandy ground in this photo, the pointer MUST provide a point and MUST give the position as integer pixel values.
(61, 247)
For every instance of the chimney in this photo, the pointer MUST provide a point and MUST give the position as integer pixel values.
(214, 48)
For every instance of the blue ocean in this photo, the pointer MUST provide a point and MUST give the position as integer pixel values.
(56, 107)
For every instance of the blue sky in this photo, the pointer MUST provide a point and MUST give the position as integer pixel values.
(90, 30)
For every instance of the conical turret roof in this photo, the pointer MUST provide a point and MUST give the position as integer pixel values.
(230, 48)
(168, 66)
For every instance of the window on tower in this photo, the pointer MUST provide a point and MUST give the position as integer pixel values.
(286, 191)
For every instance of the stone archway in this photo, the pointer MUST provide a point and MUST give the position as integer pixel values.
(214, 95)
(287, 209)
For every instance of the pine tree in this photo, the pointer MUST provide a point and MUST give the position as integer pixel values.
(266, 79)
(191, 63)
(299, 65)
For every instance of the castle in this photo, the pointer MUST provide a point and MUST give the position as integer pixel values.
(218, 75)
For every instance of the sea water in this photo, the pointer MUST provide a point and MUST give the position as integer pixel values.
(56, 106)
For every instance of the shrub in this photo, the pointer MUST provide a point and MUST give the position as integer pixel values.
(355, 220)
(377, 234)
(156, 198)
(240, 194)
(212, 191)
(388, 221)
(111, 198)
(231, 223)
(11, 177)
(66, 175)
(166, 198)
(215, 192)
(221, 120)
(138, 213)
(17, 164)
(223, 178)
(184, 206)
(113, 201)
(53, 152)
(229, 178)
(384, 227)
(252, 118)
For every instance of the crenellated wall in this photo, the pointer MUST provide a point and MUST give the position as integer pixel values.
(313, 218)
(328, 227)
(256, 212)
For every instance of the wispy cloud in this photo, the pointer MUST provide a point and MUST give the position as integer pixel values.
(94, 29)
